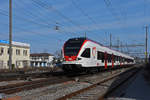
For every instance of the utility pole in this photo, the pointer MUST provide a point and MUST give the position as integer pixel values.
(110, 41)
(118, 44)
(10, 34)
(127, 48)
(146, 45)
(121, 46)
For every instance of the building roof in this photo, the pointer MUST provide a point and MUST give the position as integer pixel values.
(41, 54)
(15, 43)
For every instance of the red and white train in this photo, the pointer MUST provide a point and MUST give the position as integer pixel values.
(82, 54)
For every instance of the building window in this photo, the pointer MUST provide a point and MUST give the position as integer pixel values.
(25, 63)
(86, 53)
(18, 63)
(25, 52)
(1, 51)
(17, 52)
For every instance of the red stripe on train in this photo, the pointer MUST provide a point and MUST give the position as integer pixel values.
(70, 58)
(105, 60)
(82, 46)
(112, 60)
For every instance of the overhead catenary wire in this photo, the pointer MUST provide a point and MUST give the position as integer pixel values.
(37, 23)
(83, 12)
(111, 9)
(30, 31)
(28, 20)
(45, 5)
(49, 6)
(29, 13)
(45, 25)
(86, 15)
(116, 15)
(5, 13)
(56, 22)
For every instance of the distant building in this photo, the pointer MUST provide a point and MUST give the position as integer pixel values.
(20, 54)
(41, 59)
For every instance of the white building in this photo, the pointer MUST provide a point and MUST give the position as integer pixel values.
(20, 54)
(41, 59)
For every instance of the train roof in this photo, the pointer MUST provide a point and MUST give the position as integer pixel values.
(118, 52)
(85, 38)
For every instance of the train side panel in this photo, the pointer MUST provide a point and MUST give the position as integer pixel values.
(92, 55)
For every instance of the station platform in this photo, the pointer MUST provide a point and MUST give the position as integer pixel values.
(138, 88)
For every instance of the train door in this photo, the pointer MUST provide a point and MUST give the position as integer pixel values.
(86, 57)
(112, 60)
(120, 61)
(94, 57)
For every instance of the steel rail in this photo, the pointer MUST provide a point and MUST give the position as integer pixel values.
(13, 88)
(101, 97)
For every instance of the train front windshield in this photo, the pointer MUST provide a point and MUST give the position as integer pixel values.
(72, 46)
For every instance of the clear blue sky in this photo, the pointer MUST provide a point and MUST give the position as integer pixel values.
(34, 22)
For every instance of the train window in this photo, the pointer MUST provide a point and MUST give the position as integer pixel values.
(109, 58)
(115, 58)
(119, 59)
(125, 59)
(122, 59)
(86, 53)
(100, 56)
(132, 61)
(72, 46)
(103, 57)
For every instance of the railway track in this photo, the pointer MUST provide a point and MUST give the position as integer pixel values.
(30, 76)
(17, 76)
(13, 88)
(54, 78)
(101, 89)
(57, 78)
(24, 74)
